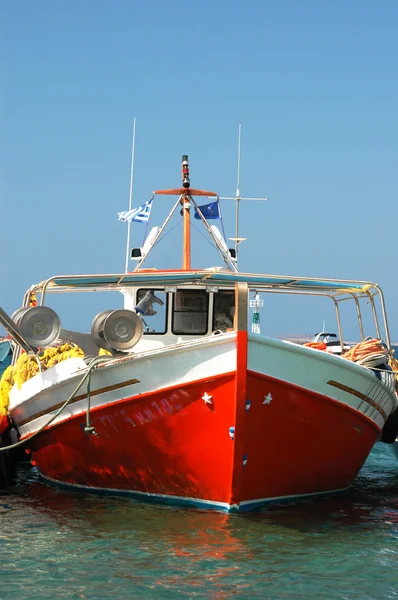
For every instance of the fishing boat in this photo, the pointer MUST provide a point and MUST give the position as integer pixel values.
(179, 397)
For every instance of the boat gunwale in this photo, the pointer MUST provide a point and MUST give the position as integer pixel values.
(284, 345)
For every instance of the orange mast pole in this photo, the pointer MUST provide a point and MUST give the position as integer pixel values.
(185, 200)
(186, 193)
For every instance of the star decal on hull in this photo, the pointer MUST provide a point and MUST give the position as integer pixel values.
(267, 399)
(207, 398)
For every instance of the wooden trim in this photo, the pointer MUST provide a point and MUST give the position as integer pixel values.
(241, 306)
(104, 390)
(364, 397)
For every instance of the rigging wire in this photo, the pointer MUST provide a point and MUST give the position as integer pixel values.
(204, 237)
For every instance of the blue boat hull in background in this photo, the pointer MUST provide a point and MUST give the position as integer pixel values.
(5, 349)
(5, 355)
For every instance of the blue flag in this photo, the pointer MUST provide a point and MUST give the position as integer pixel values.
(209, 211)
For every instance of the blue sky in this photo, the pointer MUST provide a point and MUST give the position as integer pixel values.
(314, 84)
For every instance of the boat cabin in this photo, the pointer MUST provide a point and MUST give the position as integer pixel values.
(170, 315)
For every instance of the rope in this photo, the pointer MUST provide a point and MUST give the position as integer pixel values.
(316, 345)
(87, 375)
(204, 237)
(368, 353)
(373, 354)
(89, 428)
(395, 370)
(164, 235)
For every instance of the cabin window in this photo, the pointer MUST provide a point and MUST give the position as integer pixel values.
(190, 312)
(151, 306)
(224, 310)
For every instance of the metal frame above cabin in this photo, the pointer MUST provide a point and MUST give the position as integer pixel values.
(339, 290)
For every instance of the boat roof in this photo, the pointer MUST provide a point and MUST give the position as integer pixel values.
(212, 277)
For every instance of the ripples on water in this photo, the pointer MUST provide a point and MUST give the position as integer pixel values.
(57, 544)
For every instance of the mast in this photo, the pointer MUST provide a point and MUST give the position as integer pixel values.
(130, 199)
(186, 205)
(185, 200)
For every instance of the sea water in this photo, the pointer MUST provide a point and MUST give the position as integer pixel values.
(57, 544)
(63, 545)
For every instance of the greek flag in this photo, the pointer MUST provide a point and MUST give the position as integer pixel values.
(140, 214)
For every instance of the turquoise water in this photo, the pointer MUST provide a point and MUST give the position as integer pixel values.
(80, 546)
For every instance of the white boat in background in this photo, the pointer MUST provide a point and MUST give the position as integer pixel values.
(193, 404)
(331, 342)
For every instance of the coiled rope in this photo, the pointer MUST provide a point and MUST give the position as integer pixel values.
(374, 354)
(370, 353)
(87, 376)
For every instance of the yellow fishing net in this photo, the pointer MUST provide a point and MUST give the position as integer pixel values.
(52, 356)
(6, 383)
(102, 352)
(27, 367)
(393, 362)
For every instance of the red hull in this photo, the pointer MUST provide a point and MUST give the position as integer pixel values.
(175, 446)
(306, 444)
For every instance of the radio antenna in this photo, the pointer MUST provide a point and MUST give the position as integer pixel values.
(237, 239)
(130, 198)
(237, 199)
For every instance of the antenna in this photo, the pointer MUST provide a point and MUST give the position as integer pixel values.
(237, 199)
(237, 242)
(130, 198)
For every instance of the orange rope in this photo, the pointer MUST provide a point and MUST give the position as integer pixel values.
(365, 349)
(316, 345)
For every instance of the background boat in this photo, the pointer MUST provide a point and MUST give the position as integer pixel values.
(5, 355)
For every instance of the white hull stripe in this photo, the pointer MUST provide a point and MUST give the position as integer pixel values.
(248, 504)
(157, 497)
(197, 502)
